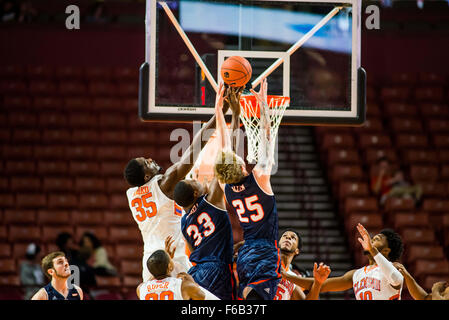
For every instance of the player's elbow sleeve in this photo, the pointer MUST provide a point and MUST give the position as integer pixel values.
(396, 278)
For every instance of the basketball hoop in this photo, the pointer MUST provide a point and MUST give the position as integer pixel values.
(250, 116)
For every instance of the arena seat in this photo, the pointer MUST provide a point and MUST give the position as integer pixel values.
(125, 234)
(418, 236)
(353, 189)
(129, 251)
(20, 167)
(5, 250)
(443, 156)
(434, 190)
(114, 137)
(131, 267)
(16, 102)
(62, 201)
(13, 87)
(99, 231)
(406, 140)
(25, 135)
(399, 204)
(85, 136)
(52, 167)
(101, 88)
(415, 252)
(405, 125)
(441, 140)
(19, 184)
(111, 152)
(42, 87)
(57, 184)
(98, 72)
(80, 152)
(337, 140)
(77, 168)
(7, 200)
(68, 72)
(113, 168)
(31, 200)
(20, 233)
(13, 216)
(371, 125)
(131, 281)
(435, 205)
(422, 156)
(430, 93)
(50, 233)
(437, 126)
(434, 110)
(52, 120)
(430, 280)
(116, 184)
(343, 156)
(352, 172)
(85, 184)
(370, 140)
(56, 136)
(393, 109)
(89, 217)
(82, 120)
(77, 103)
(50, 217)
(108, 282)
(45, 103)
(125, 73)
(394, 93)
(51, 152)
(429, 77)
(120, 218)
(93, 201)
(112, 120)
(402, 220)
(420, 173)
(127, 89)
(372, 154)
(118, 201)
(430, 267)
(361, 204)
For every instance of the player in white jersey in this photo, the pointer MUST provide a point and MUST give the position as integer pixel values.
(165, 287)
(290, 245)
(151, 201)
(379, 280)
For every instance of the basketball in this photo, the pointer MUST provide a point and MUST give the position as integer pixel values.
(236, 71)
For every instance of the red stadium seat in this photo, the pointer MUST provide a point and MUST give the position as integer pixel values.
(129, 251)
(420, 157)
(49, 217)
(346, 156)
(19, 216)
(3, 232)
(5, 250)
(93, 201)
(130, 104)
(343, 172)
(404, 140)
(40, 72)
(116, 185)
(102, 88)
(53, 120)
(369, 221)
(42, 87)
(434, 110)
(430, 267)
(112, 120)
(125, 234)
(431, 78)
(367, 140)
(106, 103)
(372, 154)
(57, 184)
(7, 266)
(111, 153)
(415, 252)
(87, 217)
(372, 109)
(15, 102)
(424, 173)
(400, 109)
(77, 103)
(114, 137)
(31, 200)
(404, 78)
(98, 72)
(339, 141)
(363, 204)
(25, 183)
(20, 249)
(402, 124)
(85, 136)
(371, 125)
(438, 126)
(17, 152)
(407, 219)
(399, 204)
(22, 119)
(50, 233)
(418, 235)
(77, 152)
(51, 152)
(441, 140)
(443, 156)
(394, 93)
(62, 201)
(47, 103)
(7, 200)
(113, 168)
(12, 71)
(24, 233)
(56, 136)
(131, 267)
(26, 135)
(118, 201)
(83, 120)
(83, 184)
(429, 93)
(435, 205)
(433, 190)
(125, 73)
(52, 167)
(68, 72)
(122, 218)
(20, 167)
(13, 87)
(77, 168)
(72, 88)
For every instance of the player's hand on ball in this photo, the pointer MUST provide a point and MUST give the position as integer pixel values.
(233, 97)
(321, 273)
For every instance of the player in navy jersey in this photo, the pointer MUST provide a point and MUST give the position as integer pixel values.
(251, 195)
(56, 267)
(207, 230)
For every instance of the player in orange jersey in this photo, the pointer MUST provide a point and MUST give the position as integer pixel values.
(379, 280)
(290, 245)
(165, 287)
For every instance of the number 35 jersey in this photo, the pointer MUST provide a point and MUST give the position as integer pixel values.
(208, 230)
(157, 217)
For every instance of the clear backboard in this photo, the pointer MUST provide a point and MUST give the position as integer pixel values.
(307, 50)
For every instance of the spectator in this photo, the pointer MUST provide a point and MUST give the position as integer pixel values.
(91, 245)
(78, 258)
(9, 11)
(400, 188)
(31, 276)
(382, 180)
(97, 12)
(27, 12)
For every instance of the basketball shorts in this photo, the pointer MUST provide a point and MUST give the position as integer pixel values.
(259, 267)
(216, 277)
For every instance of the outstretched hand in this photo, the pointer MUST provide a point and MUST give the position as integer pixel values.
(365, 241)
(232, 97)
(168, 243)
(321, 273)
(262, 95)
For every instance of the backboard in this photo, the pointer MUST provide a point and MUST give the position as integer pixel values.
(308, 50)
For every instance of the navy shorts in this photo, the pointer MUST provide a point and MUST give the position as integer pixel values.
(259, 267)
(217, 277)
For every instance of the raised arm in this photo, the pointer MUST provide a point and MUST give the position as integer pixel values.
(320, 275)
(222, 132)
(179, 170)
(262, 170)
(416, 291)
(233, 98)
(216, 194)
(189, 288)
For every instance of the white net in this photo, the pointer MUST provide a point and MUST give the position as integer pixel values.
(251, 118)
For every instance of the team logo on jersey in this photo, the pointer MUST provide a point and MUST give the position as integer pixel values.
(238, 188)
